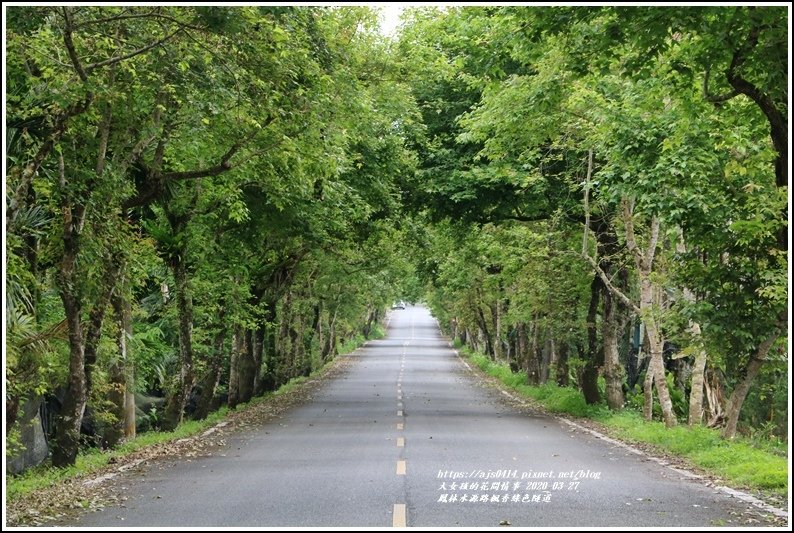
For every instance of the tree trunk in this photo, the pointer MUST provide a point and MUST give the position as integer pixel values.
(67, 432)
(120, 377)
(73, 212)
(522, 346)
(647, 390)
(589, 380)
(554, 357)
(473, 340)
(246, 368)
(496, 324)
(696, 392)
(268, 379)
(95, 319)
(483, 325)
(316, 329)
(649, 294)
(655, 343)
(743, 386)
(613, 370)
(533, 359)
(546, 360)
(367, 329)
(329, 351)
(175, 408)
(563, 379)
(209, 384)
(319, 333)
(301, 360)
(284, 350)
(258, 339)
(130, 430)
(715, 399)
(234, 368)
(699, 367)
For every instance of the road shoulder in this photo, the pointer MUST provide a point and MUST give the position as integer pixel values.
(770, 509)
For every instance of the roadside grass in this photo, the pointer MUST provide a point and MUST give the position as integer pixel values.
(737, 461)
(377, 332)
(92, 460)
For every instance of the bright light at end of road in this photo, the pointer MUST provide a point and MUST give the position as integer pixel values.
(390, 18)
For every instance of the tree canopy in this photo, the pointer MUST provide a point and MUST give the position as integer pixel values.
(203, 203)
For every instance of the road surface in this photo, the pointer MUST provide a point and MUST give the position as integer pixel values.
(409, 436)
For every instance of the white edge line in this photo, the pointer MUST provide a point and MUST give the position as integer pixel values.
(739, 495)
(111, 475)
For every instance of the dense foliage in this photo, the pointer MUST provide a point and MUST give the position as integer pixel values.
(203, 202)
(607, 197)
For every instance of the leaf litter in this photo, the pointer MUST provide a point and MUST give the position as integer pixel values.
(65, 500)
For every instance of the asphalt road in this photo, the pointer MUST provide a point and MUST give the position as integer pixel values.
(408, 436)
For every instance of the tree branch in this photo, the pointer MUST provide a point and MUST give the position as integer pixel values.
(651, 251)
(587, 200)
(777, 120)
(155, 170)
(628, 223)
(24, 174)
(514, 217)
(715, 99)
(151, 14)
(145, 140)
(762, 351)
(104, 130)
(94, 66)
(224, 165)
(157, 179)
(610, 286)
(67, 39)
(113, 19)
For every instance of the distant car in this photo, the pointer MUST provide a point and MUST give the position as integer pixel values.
(398, 305)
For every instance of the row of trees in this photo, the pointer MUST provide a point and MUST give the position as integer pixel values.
(199, 200)
(202, 202)
(606, 197)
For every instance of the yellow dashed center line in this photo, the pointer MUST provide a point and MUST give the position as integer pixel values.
(398, 516)
(399, 513)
